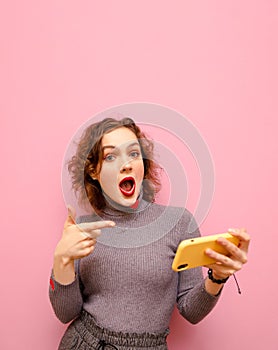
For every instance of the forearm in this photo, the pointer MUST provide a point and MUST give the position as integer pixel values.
(64, 291)
(212, 288)
(197, 302)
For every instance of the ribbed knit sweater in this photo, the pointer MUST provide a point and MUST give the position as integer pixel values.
(127, 283)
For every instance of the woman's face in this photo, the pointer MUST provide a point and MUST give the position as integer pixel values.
(122, 169)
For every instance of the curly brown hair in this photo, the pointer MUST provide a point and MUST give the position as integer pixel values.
(88, 160)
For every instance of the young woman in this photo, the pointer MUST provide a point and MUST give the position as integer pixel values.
(120, 292)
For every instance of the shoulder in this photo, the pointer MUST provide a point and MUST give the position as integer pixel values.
(183, 213)
(180, 217)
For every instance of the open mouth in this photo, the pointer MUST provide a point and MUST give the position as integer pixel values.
(127, 186)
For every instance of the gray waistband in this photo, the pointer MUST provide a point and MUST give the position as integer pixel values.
(120, 338)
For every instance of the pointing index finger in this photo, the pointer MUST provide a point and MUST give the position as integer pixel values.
(96, 225)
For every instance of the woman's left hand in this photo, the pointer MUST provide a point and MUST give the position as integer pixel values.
(225, 266)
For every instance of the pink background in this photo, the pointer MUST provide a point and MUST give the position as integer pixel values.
(64, 61)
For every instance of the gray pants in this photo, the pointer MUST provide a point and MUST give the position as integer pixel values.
(84, 334)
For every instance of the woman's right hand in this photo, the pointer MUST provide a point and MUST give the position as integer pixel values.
(77, 242)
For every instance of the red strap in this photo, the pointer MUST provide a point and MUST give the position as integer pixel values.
(52, 284)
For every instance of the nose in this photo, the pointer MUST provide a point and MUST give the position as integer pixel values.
(126, 167)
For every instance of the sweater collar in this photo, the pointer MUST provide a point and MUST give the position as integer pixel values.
(115, 209)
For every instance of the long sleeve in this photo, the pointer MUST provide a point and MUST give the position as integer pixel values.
(66, 300)
(193, 301)
(127, 283)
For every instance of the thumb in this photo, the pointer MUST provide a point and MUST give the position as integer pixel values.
(71, 216)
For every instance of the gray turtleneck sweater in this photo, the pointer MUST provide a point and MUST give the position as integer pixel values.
(127, 283)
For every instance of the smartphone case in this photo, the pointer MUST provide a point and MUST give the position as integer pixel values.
(191, 252)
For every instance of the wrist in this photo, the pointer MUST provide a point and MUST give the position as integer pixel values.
(62, 261)
(215, 278)
(63, 270)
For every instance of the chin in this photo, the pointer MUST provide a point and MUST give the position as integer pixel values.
(127, 201)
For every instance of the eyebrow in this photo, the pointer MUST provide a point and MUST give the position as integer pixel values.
(136, 143)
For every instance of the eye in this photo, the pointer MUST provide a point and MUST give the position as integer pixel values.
(135, 154)
(109, 157)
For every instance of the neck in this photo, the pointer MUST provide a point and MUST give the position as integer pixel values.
(114, 208)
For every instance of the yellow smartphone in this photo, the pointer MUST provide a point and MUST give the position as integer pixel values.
(191, 252)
